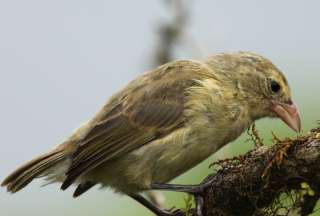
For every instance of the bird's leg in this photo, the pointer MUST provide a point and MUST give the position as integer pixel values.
(156, 210)
(195, 190)
(191, 189)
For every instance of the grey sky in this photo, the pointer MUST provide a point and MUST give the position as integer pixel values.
(60, 61)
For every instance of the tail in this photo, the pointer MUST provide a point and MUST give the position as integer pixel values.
(27, 172)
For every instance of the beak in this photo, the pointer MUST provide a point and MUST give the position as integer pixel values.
(289, 113)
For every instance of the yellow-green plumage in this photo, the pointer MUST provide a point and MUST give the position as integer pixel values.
(166, 122)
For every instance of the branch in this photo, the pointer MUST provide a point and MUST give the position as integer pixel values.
(281, 180)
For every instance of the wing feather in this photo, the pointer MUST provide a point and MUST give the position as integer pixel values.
(145, 111)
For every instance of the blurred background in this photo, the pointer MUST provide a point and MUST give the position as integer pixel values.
(61, 60)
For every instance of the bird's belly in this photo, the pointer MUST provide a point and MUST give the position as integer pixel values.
(156, 162)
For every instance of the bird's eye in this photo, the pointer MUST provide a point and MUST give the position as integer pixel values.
(275, 86)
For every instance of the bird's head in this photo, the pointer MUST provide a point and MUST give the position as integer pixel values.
(262, 87)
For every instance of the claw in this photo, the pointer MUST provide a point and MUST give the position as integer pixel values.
(199, 205)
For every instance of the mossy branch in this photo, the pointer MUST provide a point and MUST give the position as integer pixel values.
(281, 180)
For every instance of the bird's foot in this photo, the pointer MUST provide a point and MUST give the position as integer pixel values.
(195, 190)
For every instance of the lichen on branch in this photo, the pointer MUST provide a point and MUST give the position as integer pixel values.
(281, 180)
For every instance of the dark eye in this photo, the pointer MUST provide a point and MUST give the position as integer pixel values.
(275, 86)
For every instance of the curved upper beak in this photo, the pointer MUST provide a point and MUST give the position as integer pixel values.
(289, 113)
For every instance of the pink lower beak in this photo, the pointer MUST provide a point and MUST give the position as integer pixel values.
(289, 113)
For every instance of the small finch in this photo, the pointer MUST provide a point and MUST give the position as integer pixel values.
(164, 123)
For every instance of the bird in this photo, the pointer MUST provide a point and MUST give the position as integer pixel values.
(162, 124)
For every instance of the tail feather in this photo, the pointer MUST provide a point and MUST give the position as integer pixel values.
(82, 188)
(27, 172)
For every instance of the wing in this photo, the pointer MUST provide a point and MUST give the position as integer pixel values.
(149, 108)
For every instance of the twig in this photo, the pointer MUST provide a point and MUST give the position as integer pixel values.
(290, 184)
